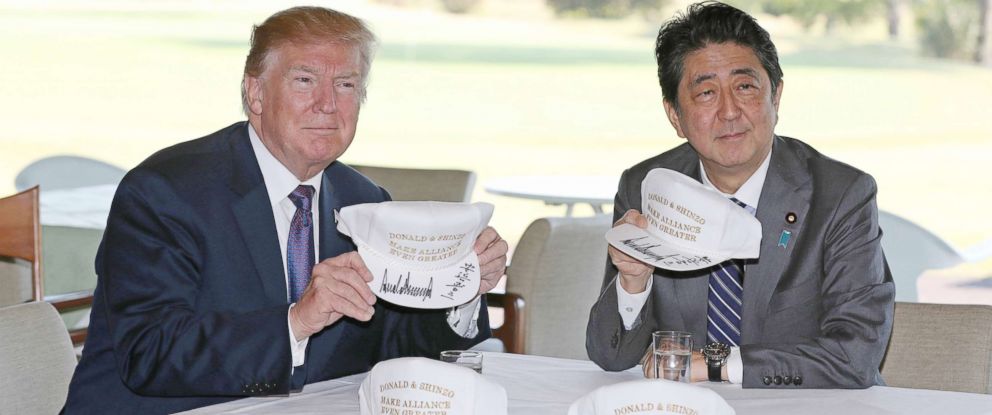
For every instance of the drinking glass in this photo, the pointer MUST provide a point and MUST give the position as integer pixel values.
(672, 355)
(465, 358)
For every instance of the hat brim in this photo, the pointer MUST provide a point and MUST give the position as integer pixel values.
(644, 247)
(439, 288)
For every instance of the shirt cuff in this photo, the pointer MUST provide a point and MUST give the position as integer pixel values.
(630, 305)
(298, 349)
(464, 319)
(735, 366)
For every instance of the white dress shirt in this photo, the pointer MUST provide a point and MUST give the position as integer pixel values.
(630, 305)
(279, 183)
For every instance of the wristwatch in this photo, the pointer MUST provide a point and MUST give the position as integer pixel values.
(715, 354)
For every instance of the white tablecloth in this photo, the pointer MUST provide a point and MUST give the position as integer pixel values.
(546, 386)
(80, 207)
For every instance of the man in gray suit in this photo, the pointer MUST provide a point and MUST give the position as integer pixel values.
(815, 309)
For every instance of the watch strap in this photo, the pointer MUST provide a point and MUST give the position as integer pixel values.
(715, 372)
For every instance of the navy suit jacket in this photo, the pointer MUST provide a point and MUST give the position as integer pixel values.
(190, 307)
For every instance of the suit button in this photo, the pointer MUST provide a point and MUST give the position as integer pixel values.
(777, 379)
(767, 380)
(787, 380)
(615, 340)
(797, 380)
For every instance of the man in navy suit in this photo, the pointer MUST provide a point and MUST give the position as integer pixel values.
(195, 299)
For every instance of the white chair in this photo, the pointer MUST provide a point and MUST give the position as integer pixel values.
(940, 346)
(422, 184)
(66, 172)
(553, 281)
(36, 359)
(910, 250)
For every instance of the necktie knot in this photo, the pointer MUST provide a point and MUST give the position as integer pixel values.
(302, 197)
(746, 207)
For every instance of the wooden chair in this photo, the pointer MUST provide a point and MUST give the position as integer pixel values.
(940, 346)
(20, 239)
(422, 184)
(553, 281)
(36, 359)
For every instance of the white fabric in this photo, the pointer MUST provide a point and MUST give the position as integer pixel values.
(537, 385)
(464, 319)
(735, 366)
(416, 385)
(750, 191)
(651, 396)
(631, 304)
(81, 207)
(690, 226)
(420, 254)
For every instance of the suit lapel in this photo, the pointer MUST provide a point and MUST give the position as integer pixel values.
(787, 190)
(332, 198)
(253, 212)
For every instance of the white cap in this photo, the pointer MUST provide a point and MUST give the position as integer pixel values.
(690, 226)
(428, 386)
(420, 253)
(651, 396)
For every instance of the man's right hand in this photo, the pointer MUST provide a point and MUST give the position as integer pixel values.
(338, 287)
(634, 274)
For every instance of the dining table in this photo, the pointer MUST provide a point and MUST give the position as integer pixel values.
(595, 191)
(538, 385)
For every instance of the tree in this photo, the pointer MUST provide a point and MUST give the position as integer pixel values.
(603, 9)
(948, 28)
(893, 17)
(809, 12)
(984, 52)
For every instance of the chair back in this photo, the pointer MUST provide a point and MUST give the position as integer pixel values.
(910, 250)
(940, 346)
(558, 269)
(422, 184)
(36, 359)
(66, 172)
(20, 239)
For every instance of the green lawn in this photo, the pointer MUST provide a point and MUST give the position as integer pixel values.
(490, 94)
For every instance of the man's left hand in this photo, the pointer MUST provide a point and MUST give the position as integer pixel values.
(491, 250)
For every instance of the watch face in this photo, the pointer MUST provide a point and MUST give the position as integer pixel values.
(716, 351)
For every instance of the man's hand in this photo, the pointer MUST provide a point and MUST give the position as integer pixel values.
(338, 287)
(697, 369)
(491, 250)
(634, 274)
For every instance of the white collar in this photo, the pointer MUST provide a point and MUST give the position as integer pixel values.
(279, 181)
(750, 191)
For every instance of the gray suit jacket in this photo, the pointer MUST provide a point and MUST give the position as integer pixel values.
(819, 309)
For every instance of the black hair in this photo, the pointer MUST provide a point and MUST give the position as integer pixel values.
(705, 23)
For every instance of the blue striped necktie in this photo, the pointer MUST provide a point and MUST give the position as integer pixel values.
(725, 298)
(299, 249)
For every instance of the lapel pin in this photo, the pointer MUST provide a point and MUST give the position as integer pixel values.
(783, 240)
(790, 217)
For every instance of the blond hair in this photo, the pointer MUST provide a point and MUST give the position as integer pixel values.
(307, 25)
